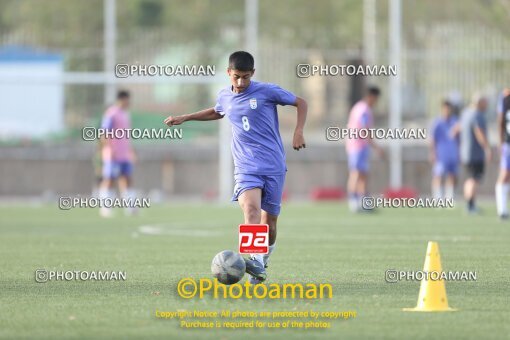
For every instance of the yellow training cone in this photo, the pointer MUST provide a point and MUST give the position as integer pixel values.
(432, 296)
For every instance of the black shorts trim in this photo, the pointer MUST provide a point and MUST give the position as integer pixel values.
(475, 170)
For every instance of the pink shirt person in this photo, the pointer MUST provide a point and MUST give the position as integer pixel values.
(116, 149)
(360, 117)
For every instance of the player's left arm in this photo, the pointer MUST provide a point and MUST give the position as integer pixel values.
(432, 144)
(367, 123)
(482, 139)
(132, 155)
(298, 141)
(107, 125)
(455, 131)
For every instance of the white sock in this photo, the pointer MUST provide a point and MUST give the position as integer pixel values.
(449, 191)
(263, 258)
(437, 192)
(130, 194)
(353, 204)
(501, 198)
(266, 256)
(105, 193)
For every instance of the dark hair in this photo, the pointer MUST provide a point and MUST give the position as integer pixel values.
(373, 91)
(447, 103)
(122, 94)
(241, 61)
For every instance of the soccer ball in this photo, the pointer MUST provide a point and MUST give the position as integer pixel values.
(228, 267)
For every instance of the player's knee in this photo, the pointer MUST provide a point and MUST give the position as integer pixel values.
(107, 183)
(125, 181)
(503, 177)
(251, 212)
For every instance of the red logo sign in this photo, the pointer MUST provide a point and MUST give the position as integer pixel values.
(253, 239)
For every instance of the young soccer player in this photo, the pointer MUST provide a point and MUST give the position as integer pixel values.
(117, 153)
(474, 147)
(444, 152)
(503, 180)
(257, 149)
(358, 150)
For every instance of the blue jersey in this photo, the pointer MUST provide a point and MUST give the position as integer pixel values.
(447, 146)
(256, 143)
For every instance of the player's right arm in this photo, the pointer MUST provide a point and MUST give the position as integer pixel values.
(432, 151)
(107, 125)
(204, 115)
(501, 128)
(376, 147)
(367, 123)
(501, 117)
(482, 139)
(432, 144)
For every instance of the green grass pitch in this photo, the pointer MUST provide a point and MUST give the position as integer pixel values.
(321, 243)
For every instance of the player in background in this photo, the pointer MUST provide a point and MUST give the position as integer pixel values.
(117, 154)
(474, 147)
(499, 100)
(257, 149)
(502, 183)
(97, 163)
(444, 152)
(358, 150)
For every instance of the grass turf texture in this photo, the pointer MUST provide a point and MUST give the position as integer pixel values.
(321, 243)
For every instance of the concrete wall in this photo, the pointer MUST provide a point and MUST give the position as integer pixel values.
(192, 171)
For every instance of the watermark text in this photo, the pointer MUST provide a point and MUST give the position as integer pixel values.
(68, 203)
(370, 202)
(90, 133)
(43, 275)
(309, 70)
(141, 70)
(334, 133)
(393, 275)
